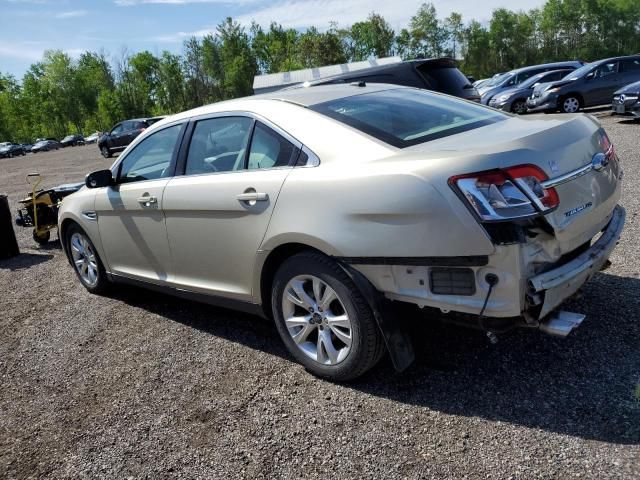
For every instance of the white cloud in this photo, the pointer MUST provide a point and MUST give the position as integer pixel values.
(305, 13)
(20, 51)
(71, 14)
(181, 36)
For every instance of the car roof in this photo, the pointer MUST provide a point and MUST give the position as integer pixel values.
(306, 96)
(544, 65)
(298, 98)
(616, 59)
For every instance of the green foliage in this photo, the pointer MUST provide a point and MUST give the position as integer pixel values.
(369, 39)
(60, 95)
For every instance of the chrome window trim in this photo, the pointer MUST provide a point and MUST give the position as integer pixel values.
(313, 161)
(116, 164)
(255, 116)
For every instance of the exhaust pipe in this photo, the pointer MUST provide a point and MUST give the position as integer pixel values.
(561, 323)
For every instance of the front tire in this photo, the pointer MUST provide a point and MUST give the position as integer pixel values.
(519, 107)
(570, 104)
(323, 319)
(106, 153)
(85, 260)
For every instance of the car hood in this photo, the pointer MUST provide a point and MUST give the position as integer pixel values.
(558, 83)
(483, 90)
(632, 88)
(514, 91)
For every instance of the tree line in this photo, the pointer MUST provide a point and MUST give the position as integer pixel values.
(60, 95)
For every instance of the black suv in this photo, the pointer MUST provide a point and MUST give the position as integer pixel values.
(123, 134)
(438, 74)
(588, 86)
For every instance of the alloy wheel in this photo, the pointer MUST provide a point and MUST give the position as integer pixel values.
(519, 107)
(84, 259)
(317, 320)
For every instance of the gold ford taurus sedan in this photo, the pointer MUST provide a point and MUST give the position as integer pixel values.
(319, 206)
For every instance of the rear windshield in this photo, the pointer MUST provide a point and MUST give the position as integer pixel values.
(407, 116)
(447, 80)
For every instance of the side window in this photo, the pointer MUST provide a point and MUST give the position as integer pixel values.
(605, 70)
(117, 129)
(128, 126)
(269, 149)
(218, 145)
(630, 66)
(151, 158)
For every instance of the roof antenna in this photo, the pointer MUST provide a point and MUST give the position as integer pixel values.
(361, 83)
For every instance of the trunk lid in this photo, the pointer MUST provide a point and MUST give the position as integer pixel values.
(558, 146)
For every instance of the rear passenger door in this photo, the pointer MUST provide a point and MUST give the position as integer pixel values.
(629, 71)
(218, 211)
(601, 86)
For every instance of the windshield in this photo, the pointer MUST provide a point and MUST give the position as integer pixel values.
(406, 116)
(66, 139)
(496, 80)
(580, 72)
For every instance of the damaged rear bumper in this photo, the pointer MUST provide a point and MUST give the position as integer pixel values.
(561, 283)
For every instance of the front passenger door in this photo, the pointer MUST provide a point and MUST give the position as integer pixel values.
(218, 212)
(130, 219)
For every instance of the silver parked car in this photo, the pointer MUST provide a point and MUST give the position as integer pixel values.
(318, 206)
(512, 79)
(515, 99)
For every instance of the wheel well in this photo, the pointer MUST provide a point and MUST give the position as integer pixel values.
(277, 256)
(66, 223)
(573, 94)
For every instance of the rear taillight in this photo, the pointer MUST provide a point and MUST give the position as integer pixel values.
(506, 194)
(607, 146)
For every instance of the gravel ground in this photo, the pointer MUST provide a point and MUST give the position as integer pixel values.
(141, 385)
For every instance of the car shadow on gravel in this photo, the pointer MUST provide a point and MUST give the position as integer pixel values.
(24, 261)
(582, 386)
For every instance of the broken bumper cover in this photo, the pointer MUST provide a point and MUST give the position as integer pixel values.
(563, 282)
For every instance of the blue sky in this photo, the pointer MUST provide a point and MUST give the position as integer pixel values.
(28, 27)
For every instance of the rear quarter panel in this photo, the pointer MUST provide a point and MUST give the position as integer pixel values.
(384, 208)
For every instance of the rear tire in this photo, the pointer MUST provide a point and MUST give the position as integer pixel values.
(323, 319)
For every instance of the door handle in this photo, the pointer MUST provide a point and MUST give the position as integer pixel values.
(253, 197)
(147, 200)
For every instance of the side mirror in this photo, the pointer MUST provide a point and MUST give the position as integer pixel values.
(101, 178)
(590, 75)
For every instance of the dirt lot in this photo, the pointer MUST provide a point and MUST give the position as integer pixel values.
(140, 385)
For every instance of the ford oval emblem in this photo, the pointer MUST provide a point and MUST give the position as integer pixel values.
(599, 162)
